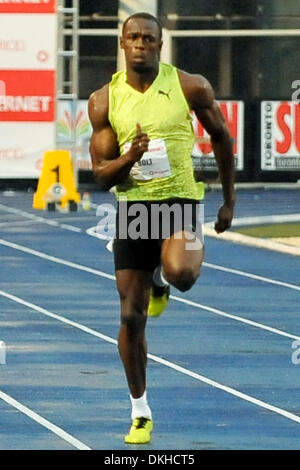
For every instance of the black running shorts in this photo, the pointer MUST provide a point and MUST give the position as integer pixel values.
(142, 226)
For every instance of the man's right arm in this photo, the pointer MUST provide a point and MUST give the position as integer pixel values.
(109, 167)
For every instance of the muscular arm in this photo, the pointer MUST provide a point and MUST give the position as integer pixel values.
(109, 168)
(200, 96)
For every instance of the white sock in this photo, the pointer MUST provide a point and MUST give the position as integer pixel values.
(158, 277)
(140, 407)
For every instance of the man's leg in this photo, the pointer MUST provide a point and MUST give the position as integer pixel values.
(181, 258)
(133, 287)
(181, 253)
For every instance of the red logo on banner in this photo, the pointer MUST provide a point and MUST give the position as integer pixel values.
(288, 121)
(231, 118)
(27, 95)
(27, 6)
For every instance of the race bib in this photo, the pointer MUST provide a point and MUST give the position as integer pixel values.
(153, 164)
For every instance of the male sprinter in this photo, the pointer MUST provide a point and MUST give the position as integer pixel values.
(141, 143)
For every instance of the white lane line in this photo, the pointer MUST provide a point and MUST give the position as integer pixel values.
(252, 276)
(172, 365)
(18, 222)
(54, 259)
(266, 219)
(178, 299)
(72, 228)
(225, 388)
(261, 220)
(53, 223)
(39, 219)
(44, 422)
(264, 243)
(235, 317)
(57, 317)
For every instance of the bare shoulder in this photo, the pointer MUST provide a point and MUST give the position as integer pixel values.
(98, 106)
(197, 89)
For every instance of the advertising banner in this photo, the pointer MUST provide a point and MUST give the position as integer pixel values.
(203, 156)
(28, 36)
(280, 135)
(27, 95)
(22, 149)
(28, 42)
(27, 6)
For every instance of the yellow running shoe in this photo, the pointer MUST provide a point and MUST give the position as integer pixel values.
(140, 431)
(159, 298)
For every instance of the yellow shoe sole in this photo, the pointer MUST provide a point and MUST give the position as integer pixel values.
(158, 303)
(140, 431)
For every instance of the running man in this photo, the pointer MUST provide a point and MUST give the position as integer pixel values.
(142, 143)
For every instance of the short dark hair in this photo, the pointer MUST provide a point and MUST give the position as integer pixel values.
(146, 16)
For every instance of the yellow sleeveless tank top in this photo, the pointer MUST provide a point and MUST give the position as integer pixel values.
(167, 170)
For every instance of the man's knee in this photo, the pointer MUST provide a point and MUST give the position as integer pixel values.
(132, 317)
(181, 277)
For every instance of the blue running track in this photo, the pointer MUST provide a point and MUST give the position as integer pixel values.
(224, 359)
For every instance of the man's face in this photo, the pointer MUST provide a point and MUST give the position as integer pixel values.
(142, 44)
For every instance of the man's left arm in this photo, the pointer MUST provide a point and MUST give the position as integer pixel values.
(200, 95)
